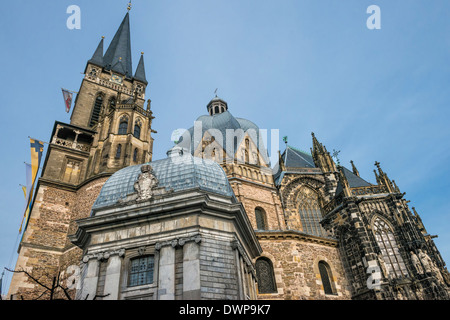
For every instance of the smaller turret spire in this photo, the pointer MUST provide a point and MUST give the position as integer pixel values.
(97, 57)
(355, 171)
(140, 70)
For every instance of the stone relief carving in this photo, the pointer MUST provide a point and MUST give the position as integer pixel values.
(426, 261)
(416, 263)
(145, 183)
(382, 265)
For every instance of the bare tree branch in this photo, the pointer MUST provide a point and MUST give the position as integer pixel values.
(31, 277)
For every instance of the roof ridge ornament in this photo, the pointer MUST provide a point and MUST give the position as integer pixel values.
(129, 6)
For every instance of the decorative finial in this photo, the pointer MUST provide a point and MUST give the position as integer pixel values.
(215, 92)
(129, 6)
(142, 52)
(103, 37)
(285, 139)
(335, 155)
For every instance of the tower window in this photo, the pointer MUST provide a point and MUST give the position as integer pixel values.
(141, 271)
(135, 155)
(123, 126)
(260, 217)
(137, 131)
(96, 111)
(216, 109)
(265, 275)
(119, 151)
(325, 273)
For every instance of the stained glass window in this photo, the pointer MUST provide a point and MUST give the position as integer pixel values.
(309, 211)
(137, 130)
(141, 271)
(385, 238)
(265, 275)
(123, 126)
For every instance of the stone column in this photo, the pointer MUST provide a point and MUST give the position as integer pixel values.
(89, 280)
(112, 279)
(166, 277)
(191, 271)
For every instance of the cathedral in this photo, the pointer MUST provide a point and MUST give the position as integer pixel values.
(215, 219)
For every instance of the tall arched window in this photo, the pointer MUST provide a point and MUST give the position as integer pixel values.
(135, 154)
(123, 125)
(260, 217)
(96, 110)
(325, 275)
(392, 258)
(118, 151)
(309, 211)
(265, 275)
(137, 130)
(141, 271)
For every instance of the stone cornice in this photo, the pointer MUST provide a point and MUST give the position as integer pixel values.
(195, 202)
(294, 235)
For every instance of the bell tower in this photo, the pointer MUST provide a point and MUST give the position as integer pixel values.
(111, 102)
(110, 128)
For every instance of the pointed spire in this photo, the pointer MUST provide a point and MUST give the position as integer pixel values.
(344, 182)
(97, 57)
(322, 158)
(140, 70)
(118, 56)
(355, 171)
(383, 178)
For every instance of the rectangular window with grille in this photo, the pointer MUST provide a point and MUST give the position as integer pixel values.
(141, 271)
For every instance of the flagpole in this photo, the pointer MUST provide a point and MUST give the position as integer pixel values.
(70, 90)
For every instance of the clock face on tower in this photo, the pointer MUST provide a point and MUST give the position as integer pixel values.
(116, 79)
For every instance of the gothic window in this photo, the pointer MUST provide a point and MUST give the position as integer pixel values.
(123, 126)
(325, 275)
(260, 217)
(385, 238)
(309, 211)
(119, 151)
(96, 111)
(141, 271)
(135, 155)
(265, 275)
(137, 130)
(216, 110)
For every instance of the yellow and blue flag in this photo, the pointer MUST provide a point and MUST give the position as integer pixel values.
(27, 192)
(37, 148)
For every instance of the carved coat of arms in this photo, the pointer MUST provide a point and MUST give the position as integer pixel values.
(145, 183)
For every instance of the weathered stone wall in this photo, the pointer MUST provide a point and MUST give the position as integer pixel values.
(254, 195)
(219, 279)
(296, 270)
(45, 249)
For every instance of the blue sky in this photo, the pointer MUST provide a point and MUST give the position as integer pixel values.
(293, 65)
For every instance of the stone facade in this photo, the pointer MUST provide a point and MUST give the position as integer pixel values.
(200, 246)
(311, 229)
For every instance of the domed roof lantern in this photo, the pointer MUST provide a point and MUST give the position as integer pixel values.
(216, 106)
